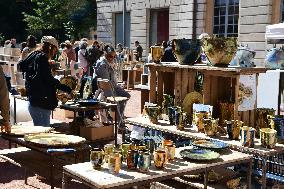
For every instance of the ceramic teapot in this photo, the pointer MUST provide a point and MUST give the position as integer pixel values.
(244, 57)
(186, 51)
(157, 53)
(275, 58)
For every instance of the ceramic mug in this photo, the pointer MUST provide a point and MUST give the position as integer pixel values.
(157, 53)
(210, 126)
(268, 137)
(247, 135)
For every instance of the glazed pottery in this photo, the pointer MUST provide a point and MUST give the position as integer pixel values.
(247, 135)
(172, 115)
(180, 118)
(114, 163)
(160, 158)
(226, 112)
(153, 112)
(157, 53)
(144, 161)
(167, 102)
(70, 81)
(199, 117)
(210, 126)
(268, 137)
(233, 129)
(220, 50)
(187, 51)
(275, 58)
(97, 158)
(278, 125)
(261, 120)
(244, 58)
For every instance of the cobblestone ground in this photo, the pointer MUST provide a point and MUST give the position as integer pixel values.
(12, 177)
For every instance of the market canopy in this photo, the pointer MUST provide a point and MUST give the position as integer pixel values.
(275, 31)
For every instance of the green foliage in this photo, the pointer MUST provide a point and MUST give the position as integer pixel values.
(74, 17)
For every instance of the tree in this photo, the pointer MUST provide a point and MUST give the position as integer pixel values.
(72, 18)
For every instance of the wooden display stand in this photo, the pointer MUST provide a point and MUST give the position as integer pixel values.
(219, 84)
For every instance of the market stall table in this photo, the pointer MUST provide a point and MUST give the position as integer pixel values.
(51, 153)
(85, 173)
(74, 107)
(258, 150)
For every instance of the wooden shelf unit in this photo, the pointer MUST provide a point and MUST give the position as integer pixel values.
(219, 84)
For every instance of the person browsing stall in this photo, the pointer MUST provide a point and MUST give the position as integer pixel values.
(41, 86)
(4, 103)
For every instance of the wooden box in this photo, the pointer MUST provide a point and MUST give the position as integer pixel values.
(93, 133)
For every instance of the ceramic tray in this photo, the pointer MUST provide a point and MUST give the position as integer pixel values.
(21, 130)
(199, 154)
(210, 144)
(88, 102)
(54, 140)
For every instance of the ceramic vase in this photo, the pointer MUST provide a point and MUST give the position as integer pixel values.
(187, 51)
(247, 136)
(219, 50)
(157, 53)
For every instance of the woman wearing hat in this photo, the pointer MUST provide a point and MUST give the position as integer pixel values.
(41, 86)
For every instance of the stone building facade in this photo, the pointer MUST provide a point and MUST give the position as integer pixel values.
(190, 18)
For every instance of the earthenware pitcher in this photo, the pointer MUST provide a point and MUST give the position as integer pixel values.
(247, 135)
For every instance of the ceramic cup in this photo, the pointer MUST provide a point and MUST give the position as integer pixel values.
(268, 137)
(233, 129)
(247, 135)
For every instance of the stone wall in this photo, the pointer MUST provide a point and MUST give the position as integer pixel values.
(255, 15)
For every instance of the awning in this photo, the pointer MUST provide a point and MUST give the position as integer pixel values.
(275, 31)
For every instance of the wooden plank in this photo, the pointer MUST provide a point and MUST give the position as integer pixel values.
(191, 80)
(184, 81)
(206, 89)
(169, 82)
(237, 85)
(153, 79)
(178, 85)
(160, 90)
(276, 13)
(209, 17)
(214, 90)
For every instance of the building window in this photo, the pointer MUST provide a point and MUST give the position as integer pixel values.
(226, 16)
(119, 29)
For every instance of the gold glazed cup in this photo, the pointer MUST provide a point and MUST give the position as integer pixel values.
(160, 158)
(157, 53)
(114, 163)
(268, 137)
(210, 126)
(97, 158)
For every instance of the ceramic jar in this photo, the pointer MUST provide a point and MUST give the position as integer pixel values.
(278, 125)
(210, 126)
(157, 53)
(268, 137)
(247, 136)
(219, 50)
(186, 51)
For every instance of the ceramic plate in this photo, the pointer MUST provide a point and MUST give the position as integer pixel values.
(54, 139)
(210, 144)
(19, 130)
(199, 154)
(190, 99)
(89, 102)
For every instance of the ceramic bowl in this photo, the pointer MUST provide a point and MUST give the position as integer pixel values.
(187, 51)
(219, 50)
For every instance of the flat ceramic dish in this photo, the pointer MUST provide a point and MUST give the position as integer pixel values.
(54, 139)
(89, 102)
(190, 99)
(21, 130)
(199, 154)
(210, 144)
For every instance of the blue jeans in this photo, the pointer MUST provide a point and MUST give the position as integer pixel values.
(40, 116)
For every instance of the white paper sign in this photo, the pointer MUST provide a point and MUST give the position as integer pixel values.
(247, 92)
